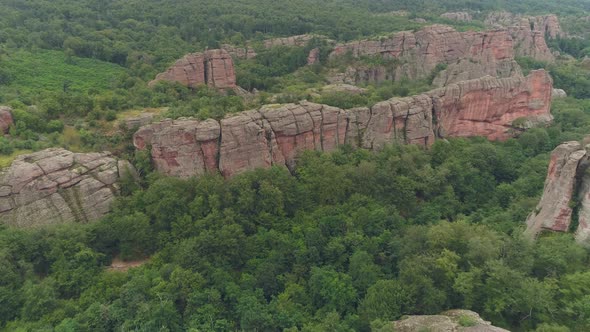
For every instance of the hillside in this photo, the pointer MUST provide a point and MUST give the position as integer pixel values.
(262, 165)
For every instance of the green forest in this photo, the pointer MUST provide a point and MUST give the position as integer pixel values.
(347, 241)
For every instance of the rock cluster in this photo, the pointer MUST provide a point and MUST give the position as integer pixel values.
(467, 55)
(448, 321)
(567, 180)
(458, 16)
(58, 186)
(214, 68)
(275, 134)
(5, 119)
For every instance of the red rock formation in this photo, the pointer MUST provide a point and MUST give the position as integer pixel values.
(5, 119)
(214, 68)
(554, 211)
(276, 134)
(489, 106)
(418, 54)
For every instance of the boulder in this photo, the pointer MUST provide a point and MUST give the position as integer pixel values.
(58, 186)
(214, 68)
(448, 321)
(558, 93)
(5, 119)
(276, 134)
(345, 88)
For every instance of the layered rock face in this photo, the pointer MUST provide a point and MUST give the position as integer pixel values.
(214, 68)
(5, 119)
(58, 186)
(448, 321)
(275, 134)
(468, 55)
(488, 106)
(567, 179)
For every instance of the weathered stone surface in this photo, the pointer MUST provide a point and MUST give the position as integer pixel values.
(313, 57)
(445, 322)
(548, 25)
(276, 134)
(469, 55)
(554, 211)
(528, 32)
(138, 121)
(238, 52)
(214, 68)
(558, 93)
(346, 88)
(489, 106)
(299, 40)
(458, 16)
(5, 119)
(58, 186)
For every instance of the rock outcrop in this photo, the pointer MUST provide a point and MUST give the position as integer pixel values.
(58, 186)
(415, 55)
(554, 211)
(214, 68)
(275, 134)
(458, 16)
(548, 25)
(5, 119)
(448, 321)
(568, 180)
(528, 32)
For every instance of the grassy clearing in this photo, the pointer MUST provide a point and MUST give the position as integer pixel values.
(6, 160)
(53, 71)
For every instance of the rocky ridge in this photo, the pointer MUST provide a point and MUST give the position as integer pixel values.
(458, 16)
(275, 134)
(58, 186)
(214, 68)
(567, 181)
(467, 55)
(448, 321)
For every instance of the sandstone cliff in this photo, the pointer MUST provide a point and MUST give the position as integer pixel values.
(275, 134)
(468, 55)
(58, 186)
(214, 68)
(5, 119)
(567, 181)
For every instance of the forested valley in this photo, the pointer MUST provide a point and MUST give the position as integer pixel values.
(349, 240)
